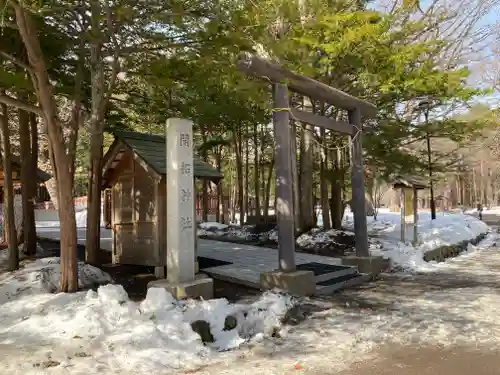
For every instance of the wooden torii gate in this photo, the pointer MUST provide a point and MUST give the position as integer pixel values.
(282, 80)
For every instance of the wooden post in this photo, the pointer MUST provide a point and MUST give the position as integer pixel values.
(415, 216)
(403, 214)
(284, 190)
(295, 179)
(358, 186)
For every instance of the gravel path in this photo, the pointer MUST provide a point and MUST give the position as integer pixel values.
(442, 322)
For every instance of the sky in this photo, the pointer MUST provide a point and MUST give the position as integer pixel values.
(488, 56)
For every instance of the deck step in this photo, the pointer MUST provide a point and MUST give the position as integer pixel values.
(342, 282)
(335, 275)
(323, 271)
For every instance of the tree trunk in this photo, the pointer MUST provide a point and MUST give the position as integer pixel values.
(221, 204)
(336, 203)
(306, 180)
(267, 195)
(247, 173)
(69, 264)
(8, 193)
(61, 161)
(323, 172)
(295, 178)
(51, 186)
(256, 174)
(239, 175)
(29, 184)
(93, 232)
(34, 144)
(204, 182)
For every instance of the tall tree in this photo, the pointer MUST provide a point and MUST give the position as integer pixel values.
(8, 191)
(32, 31)
(29, 181)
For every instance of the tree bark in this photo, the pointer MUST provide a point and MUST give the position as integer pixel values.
(247, 173)
(306, 180)
(8, 193)
(295, 178)
(239, 175)
(61, 161)
(100, 94)
(93, 238)
(336, 203)
(29, 184)
(323, 172)
(204, 182)
(256, 174)
(220, 212)
(267, 195)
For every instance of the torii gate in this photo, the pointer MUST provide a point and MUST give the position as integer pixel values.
(282, 80)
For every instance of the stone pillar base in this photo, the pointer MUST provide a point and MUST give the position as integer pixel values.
(372, 265)
(299, 283)
(201, 287)
(161, 271)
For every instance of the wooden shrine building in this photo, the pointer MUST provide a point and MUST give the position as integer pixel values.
(134, 169)
(41, 177)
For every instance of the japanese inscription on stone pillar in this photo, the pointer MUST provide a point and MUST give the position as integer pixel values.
(181, 224)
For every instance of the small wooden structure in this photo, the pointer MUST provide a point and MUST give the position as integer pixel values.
(41, 176)
(409, 187)
(282, 80)
(134, 168)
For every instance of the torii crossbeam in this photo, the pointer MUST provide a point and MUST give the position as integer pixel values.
(282, 80)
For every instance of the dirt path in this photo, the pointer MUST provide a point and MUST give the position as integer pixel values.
(429, 361)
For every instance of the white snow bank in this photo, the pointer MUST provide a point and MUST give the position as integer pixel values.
(105, 332)
(42, 276)
(446, 230)
(212, 225)
(4, 254)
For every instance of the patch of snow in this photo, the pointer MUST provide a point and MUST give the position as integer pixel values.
(42, 276)
(212, 225)
(105, 332)
(4, 254)
(448, 229)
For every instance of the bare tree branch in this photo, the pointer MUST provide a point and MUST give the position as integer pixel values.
(13, 102)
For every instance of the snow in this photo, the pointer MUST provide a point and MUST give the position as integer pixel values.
(494, 210)
(384, 236)
(4, 254)
(42, 276)
(104, 332)
(212, 225)
(448, 229)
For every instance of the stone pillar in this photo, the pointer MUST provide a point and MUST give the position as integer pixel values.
(180, 196)
(181, 227)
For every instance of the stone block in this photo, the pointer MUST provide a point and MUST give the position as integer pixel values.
(201, 287)
(300, 283)
(372, 265)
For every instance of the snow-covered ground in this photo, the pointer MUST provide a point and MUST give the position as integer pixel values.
(385, 232)
(494, 210)
(53, 221)
(103, 332)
